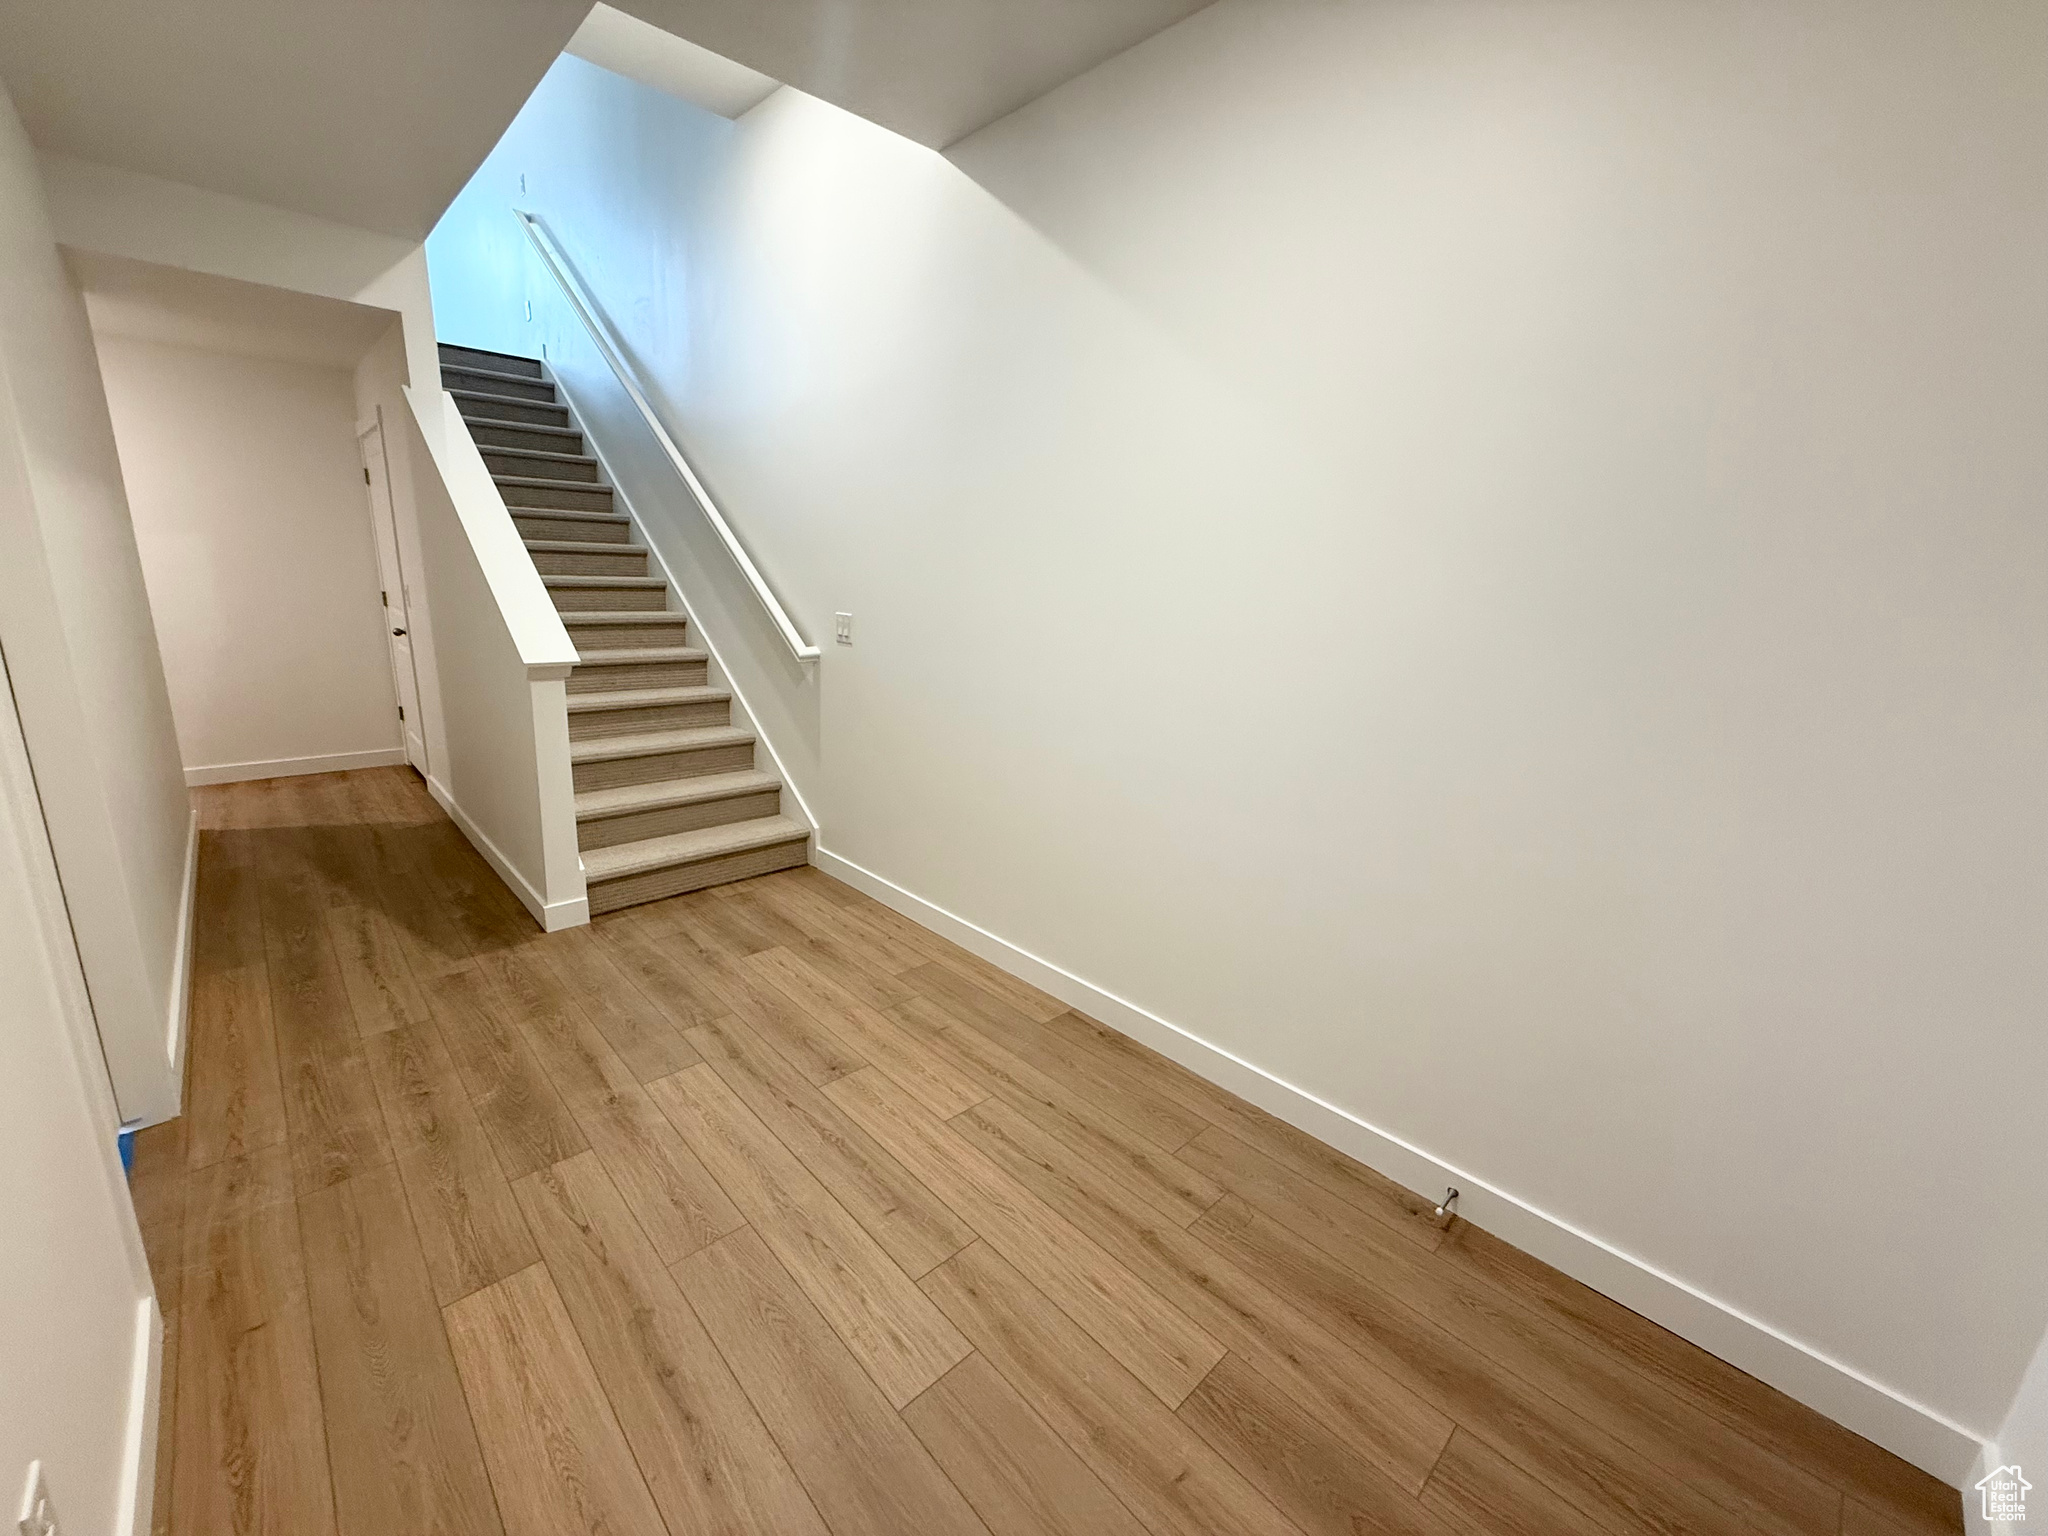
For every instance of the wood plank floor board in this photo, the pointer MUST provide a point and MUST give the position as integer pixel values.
(817, 914)
(393, 861)
(820, 936)
(897, 1053)
(252, 1440)
(420, 925)
(468, 1224)
(1020, 1477)
(1870, 1474)
(1886, 1520)
(1165, 1125)
(1774, 1495)
(1616, 1489)
(557, 1458)
(895, 1333)
(480, 908)
(1354, 1403)
(710, 1463)
(1165, 1473)
(644, 1036)
(866, 1471)
(323, 856)
(1401, 1210)
(1279, 1187)
(333, 1124)
(1321, 1483)
(895, 940)
(673, 1196)
(719, 925)
(1013, 990)
(1372, 1192)
(158, 1187)
(227, 905)
(659, 971)
(873, 914)
(1475, 1488)
(912, 1225)
(1177, 1191)
(1151, 1338)
(381, 987)
(529, 1125)
(861, 974)
(404, 1454)
(809, 1046)
(235, 1099)
(832, 890)
(763, 918)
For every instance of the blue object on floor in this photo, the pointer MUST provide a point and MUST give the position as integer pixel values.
(126, 1142)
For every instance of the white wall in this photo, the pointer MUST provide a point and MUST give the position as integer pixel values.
(74, 618)
(254, 525)
(1485, 559)
(79, 1332)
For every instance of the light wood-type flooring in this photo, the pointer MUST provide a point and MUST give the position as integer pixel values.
(765, 1210)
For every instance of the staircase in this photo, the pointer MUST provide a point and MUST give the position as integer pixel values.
(667, 795)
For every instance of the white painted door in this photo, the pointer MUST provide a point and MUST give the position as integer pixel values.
(391, 572)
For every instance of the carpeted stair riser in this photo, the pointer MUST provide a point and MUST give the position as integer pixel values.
(491, 434)
(621, 637)
(608, 599)
(493, 362)
(589, 562)
(592, 725)
(500, 409)
(657, 766)
(568, 471)
(477, 382)
(656, 884)
(539, 525)
(610, 831)
(526, 491)
(655, 674)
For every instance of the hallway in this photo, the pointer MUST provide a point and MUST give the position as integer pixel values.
(764, 1209)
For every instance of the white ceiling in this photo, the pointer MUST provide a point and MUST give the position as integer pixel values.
(369, 112)
(628, 46)
(933, 70)
(376, 112)
(146, 302)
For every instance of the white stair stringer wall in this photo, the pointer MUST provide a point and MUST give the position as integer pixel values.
(504, 657)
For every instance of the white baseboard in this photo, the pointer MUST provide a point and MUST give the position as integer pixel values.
(286, 767)
(135, 1504)
(180, 1011)
(553, 918)
(1921, 1435)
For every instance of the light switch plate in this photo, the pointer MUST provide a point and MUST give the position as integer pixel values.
(842, 628)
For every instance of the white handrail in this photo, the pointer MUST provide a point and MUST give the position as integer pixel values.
(558, 265)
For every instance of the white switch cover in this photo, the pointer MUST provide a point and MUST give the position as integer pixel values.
(38, 1515)
(842, 628)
